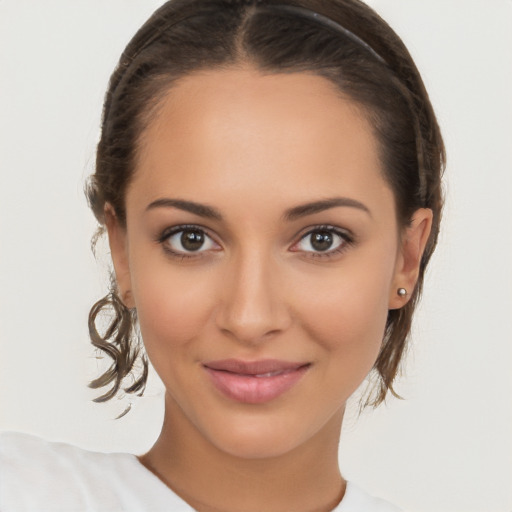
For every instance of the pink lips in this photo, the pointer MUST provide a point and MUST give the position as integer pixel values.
(254, 382)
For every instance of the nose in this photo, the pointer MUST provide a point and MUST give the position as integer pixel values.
(254, 304)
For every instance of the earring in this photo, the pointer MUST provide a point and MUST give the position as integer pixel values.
(402, 292)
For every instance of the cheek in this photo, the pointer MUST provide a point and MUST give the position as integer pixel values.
(347, 315)
(347, 322)
(173, 304)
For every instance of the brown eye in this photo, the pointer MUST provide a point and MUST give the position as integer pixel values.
(188, 240)
(323, 241)
(192, 240)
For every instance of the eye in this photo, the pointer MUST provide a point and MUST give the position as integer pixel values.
(323, 241)
(184, 241)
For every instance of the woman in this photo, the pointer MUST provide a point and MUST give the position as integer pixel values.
(269, 177)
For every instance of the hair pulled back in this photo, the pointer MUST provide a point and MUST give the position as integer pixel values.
(184, 36)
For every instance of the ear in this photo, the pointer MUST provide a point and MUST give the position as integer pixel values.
(412, 245)
(119, 250)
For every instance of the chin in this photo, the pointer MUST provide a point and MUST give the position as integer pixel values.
(265, 434)
(257, 442)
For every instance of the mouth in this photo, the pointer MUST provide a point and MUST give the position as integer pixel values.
(254, 382)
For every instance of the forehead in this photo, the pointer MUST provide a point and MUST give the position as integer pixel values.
(239, 130)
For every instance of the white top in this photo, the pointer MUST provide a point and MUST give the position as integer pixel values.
(43, 476)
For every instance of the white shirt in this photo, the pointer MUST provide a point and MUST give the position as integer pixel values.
(43, 476)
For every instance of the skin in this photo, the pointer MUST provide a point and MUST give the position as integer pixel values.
(254, 146)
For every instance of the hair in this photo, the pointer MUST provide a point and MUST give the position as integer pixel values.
(364, 58)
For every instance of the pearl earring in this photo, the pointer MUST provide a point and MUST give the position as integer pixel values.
(402, 292)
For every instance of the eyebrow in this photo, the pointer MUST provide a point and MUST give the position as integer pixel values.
(202, 210)
(209, 212)
(326, 204)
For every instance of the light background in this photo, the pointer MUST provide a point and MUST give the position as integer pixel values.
(448, 446)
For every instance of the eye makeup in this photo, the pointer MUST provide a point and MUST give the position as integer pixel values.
(192, 241)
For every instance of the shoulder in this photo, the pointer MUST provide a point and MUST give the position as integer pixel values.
(38, 473)
(24, 456)
(357, 500)
(41, 475)
(23, 450)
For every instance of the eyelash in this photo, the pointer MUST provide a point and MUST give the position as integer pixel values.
(346, 236)
(167, 233)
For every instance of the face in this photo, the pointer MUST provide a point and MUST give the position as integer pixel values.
(262, 253)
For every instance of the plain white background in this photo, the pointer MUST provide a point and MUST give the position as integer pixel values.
(447, 447)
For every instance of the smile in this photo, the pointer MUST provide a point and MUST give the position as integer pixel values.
(254, 382)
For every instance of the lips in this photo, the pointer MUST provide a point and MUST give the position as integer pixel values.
(254, 382)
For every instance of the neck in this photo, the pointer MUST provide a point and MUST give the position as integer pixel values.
(210, 480)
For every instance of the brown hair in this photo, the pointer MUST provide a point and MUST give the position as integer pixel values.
(363, 57)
